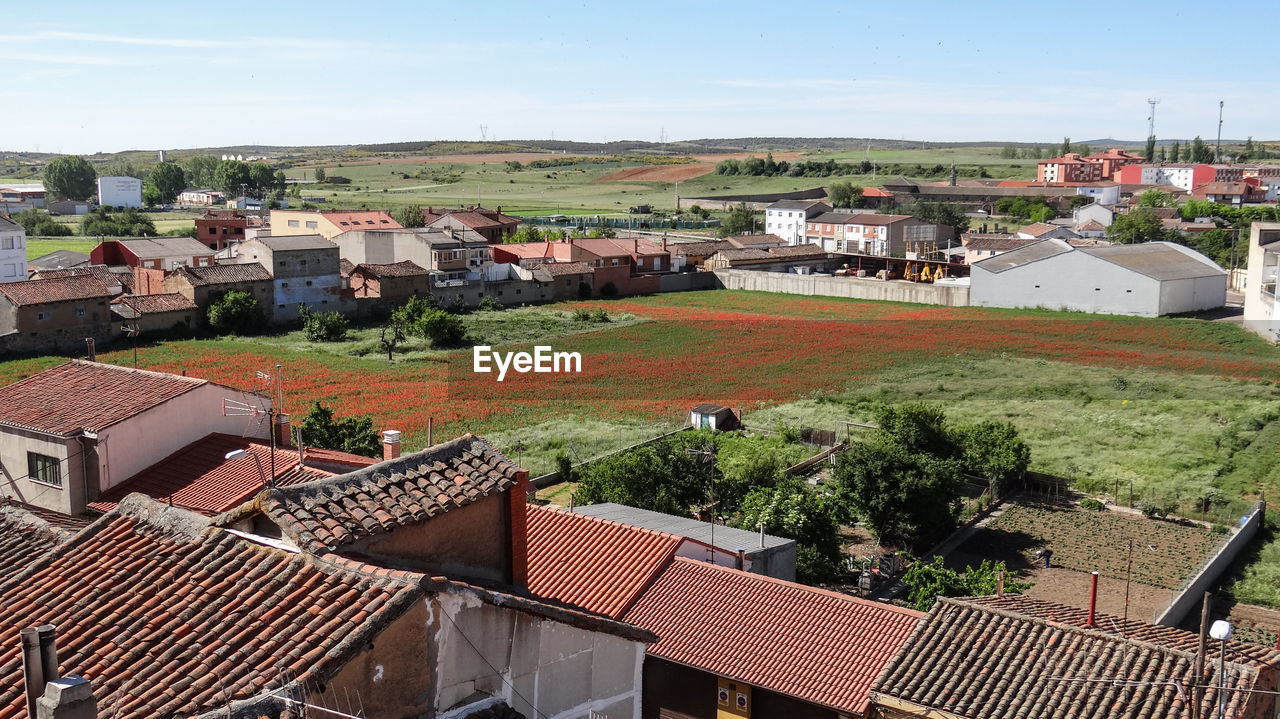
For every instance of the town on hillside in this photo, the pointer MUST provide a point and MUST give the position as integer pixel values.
(779, 380)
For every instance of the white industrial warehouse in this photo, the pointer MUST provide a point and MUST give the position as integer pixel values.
(1146, 280)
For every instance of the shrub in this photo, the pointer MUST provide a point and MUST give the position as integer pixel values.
(489, 304)
(1092, 504)
(1153, 511)
(442, 328)
(323, 326)
(584, 291)
(236, 313)
(609, 290)
(599, 315)
(582, 314)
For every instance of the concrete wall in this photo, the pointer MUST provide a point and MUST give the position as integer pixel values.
(1070, 281)
(14, 446)
(1189, 596)
(851, 287)
(564, 671)
(687, 282)
(1196, 294)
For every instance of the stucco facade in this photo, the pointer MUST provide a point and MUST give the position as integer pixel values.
(13, 251)
(305, 271)
(1261, 306)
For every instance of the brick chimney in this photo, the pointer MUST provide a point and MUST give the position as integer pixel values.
(518, 498)
(284, 438)
(390, 444)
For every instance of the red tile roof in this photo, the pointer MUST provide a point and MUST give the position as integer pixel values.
(596, 564)
(71, 523)
(224, 274)
(361, 219)
(60, 289)
(82, 395)
(169, 617)
(102, 272)
(23, 538)
(818, 646)
(556, 269)
(406, 268)
(1037, 229)
(976, 658)
(323, 515)
(200, 478)
(153, 304)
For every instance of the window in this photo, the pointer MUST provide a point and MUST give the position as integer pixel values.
(42, 315)
(614, 262)
(284, 285)
(308, 283)
(43, 468)
(213, 230)
(6, 243)
(79, 310)
(293, 223)
(311, 224)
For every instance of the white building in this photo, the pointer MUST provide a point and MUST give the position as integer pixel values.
(1146, 280)
(13, 251)
(786, 218)
(1106, 193)
(120, 191)
(201, 197)
(1261, 308)
(1099, 213)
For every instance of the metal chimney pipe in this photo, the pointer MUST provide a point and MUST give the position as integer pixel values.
(48, 652)
(742, 558)
(32, 670)
(1000, 583)
(1093, 598)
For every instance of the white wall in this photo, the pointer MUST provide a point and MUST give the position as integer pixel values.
(787, 224)
(1262, 310)
(13, 256)
(1070, 281)
(321, 296)
(1193, 295)
(120, 191)
(126, 448)
(14, 445)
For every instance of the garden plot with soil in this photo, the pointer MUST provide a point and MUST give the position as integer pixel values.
(1082, 541)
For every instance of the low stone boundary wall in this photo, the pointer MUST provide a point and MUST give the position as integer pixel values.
(1188, 596)
(858, 288)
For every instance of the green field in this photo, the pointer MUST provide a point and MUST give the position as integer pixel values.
(39, 247)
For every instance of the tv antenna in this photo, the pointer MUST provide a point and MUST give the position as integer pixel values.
(132, 331)
(484, 133)
(1151, 119)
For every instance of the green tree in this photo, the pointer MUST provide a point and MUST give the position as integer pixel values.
(1175, 152)
(392, 335)
(236, 313)
(355, 435)
(995, 451)
(1200, 152)
(231, 176)
(1249, 150)
(1066, 147)
(526, 233)
(166, 181)
(70, 177)
(410, 216)
(950, 214)
(427, 320)
(123, 223)
(1140, 225)
(262, 179)
(123, 168)
(39, 223)
(1009, 152)
(200, 170)
(320, 174)
(1151, 148)
(323, 326)
(1155, 198)
(905, 481)
(791, 509)
(660, 476)
(845, 194)
(928, 581)
(741, 221)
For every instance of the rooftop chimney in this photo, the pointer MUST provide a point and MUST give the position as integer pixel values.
(518, 498)
(67, 698)
(742, 558)
(1093, 598)
(39, 663)
(390, 444)
(284, 437)
(1000, 583)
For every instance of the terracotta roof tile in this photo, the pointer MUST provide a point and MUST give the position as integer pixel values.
(360, 219)
(23, 538)
(819, 646)
(82, 395)
(556, 269)
(323, 515)
(68, 522)
(224, 274)
(977, 658)
(169, 617)
(200, 478)
(60, 289)
(798, 251)
(152, 304)
(406, 268)
(596, 564)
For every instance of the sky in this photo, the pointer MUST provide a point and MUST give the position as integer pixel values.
(86, 77)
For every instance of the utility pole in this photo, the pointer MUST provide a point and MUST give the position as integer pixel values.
(1217, 149)
(1151, 120)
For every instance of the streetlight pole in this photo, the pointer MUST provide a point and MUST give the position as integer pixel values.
(238, 453)
(1221, 630)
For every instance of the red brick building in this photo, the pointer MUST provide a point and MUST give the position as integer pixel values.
(1069, 168)
(218, 228)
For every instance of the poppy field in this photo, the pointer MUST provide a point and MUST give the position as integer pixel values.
(742, 349)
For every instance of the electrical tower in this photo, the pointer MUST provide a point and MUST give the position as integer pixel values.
(1151, 121)
(484, 133)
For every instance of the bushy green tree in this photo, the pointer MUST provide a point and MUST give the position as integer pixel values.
(1200, 152)
(70, 177)
(39, 223)
(950, 214)
(1066, 147)
(926, 581)
(320, 174)
(321, 428)
(660, 476)
(845, 194)
(410, 216)
(1175, 152)
(230, 176)
(1140, 225)
(1155, 198)
(323, 326)
(123, 223)
(166, 181)
(741, 221)
(995, 451)
(236, 313)
(791, 509)
(1150, 152)
(200, 170)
